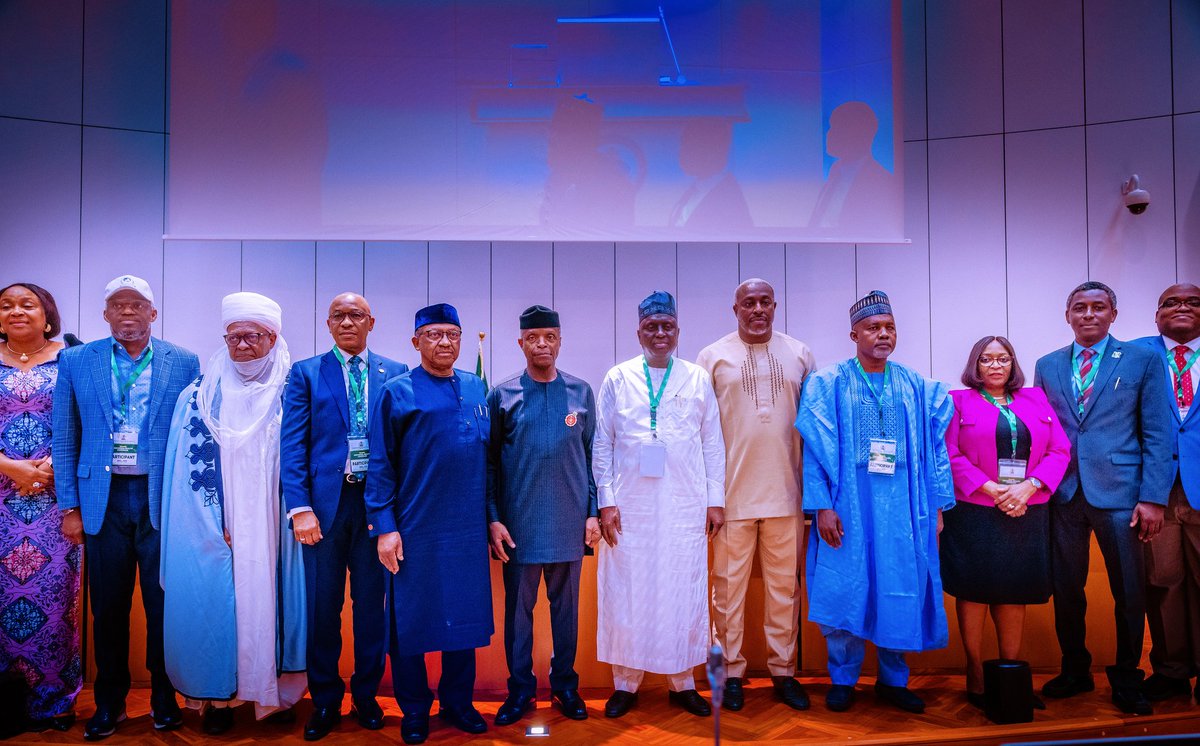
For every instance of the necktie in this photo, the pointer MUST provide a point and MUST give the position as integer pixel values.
(1183, 382)
(1085, 369)
(359, 415)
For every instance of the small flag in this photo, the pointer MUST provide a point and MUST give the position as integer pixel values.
(479, 370)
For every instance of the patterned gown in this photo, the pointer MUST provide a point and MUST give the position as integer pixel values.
(39, 568)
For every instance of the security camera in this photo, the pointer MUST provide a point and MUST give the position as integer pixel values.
(1136, 198)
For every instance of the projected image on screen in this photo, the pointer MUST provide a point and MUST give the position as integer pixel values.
(728, 120)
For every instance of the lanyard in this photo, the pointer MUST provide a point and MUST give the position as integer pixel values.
(1178, 372)
(357, 384)
(124, 386)
(1082, 384)
(877, 395)
(656, 398)
(1008, 415)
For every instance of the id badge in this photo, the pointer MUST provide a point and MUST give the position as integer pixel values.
(653, 459)
(883, 457)
(360, 455)
(1012, 470)
(125, 448)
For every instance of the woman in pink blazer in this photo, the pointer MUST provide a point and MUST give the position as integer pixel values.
(1008, 452)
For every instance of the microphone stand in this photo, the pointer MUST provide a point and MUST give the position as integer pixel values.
(716, 681)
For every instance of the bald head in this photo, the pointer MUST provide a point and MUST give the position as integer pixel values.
(350, 322)
(1178, 315)
(754, 307)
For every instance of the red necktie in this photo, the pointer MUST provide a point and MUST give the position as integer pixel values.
(1183, 382)
(1085, 367)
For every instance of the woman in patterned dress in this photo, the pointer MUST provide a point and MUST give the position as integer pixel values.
(39, 567)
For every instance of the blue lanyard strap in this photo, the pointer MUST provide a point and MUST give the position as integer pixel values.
(656, 398)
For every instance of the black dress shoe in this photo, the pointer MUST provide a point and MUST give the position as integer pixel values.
(322, 720)
(734, 698)
(467, 719)
(691, 701)
(570, 703)
(103, 724)
(1131, 701)
(619, 703)
(514, 708)
(1068, 685)
(217, 720)
(368, 713)
(166, 714)
(1158, 688)
(60, 723)
(790, 692)
(839, 698)
(414, 728)
(900, 696)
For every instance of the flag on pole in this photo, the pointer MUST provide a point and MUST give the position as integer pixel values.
(479, 370)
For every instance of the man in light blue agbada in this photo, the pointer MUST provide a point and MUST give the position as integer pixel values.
(876, 476)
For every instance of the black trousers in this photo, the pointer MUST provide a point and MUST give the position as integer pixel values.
(1071, 526)
(520, 596)
(126, 546)
(410, 680)
(345, 546)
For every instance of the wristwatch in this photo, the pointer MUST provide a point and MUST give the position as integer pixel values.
(1037, 483)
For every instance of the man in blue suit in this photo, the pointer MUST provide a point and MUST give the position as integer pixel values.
(329, 401)
(1173, 559)
(1108, 395)
(112, 415)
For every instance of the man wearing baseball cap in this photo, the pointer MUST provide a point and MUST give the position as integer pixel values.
(112, 415)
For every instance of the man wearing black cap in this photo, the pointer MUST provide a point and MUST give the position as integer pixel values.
(425, 503)
(876, 479)
(659, 462)
(541, 509)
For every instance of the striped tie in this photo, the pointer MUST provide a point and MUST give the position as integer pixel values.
(1183, 382)
(1085, 369)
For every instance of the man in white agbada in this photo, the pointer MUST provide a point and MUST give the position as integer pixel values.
(659, 462)
(234, 591)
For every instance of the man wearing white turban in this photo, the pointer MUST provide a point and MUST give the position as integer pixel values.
(234, 591)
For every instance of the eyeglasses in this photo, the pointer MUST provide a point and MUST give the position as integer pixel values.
(250, 338)
(356, 316)
(435, 335)
(1190, 302)
(995, 362)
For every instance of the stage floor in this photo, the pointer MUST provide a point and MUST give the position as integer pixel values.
(947, 719)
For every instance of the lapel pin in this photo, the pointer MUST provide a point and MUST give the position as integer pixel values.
(1116, 354)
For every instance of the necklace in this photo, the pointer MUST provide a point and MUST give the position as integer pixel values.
(24, 356)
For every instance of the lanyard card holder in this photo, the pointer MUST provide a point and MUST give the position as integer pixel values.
(882, 459)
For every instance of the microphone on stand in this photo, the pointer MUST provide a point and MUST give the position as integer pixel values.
(715, 669)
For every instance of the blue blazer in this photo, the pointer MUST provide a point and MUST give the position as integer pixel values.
(316, 422)
(1185, 433)
(83, 424)
(1121, 446)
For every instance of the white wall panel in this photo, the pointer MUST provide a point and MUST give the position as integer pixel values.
(820, 289)
(708, 276)
(1046, 210)
(39, 211)
(294, 290)
(460, 273)
(1185, 56)
(584, 292)
(1187, 197)
(913, 74)
(41, 45)
(124, 55)
(196, 275)
(396, 281)
(121, 216)
(903, 271)
(1133, 254)
(768, 261)
(1127, 56)
(966, 248)
(340, 267)
(1043, 64)
(522, 275)
(963, 51)
(641, 268)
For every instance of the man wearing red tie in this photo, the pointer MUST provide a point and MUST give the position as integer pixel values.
(1173, 559)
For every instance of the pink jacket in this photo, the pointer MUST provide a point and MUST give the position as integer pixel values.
(971, 441)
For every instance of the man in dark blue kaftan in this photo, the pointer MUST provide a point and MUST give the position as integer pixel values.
(425, 503)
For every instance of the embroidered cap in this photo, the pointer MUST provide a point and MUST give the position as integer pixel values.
(873, 303)
(660, 301)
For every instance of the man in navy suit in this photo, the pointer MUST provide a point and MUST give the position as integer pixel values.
(327, 406)
(112, 413)
(1173, 559)
(1108, 395)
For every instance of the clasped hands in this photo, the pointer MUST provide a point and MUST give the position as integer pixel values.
(1012, 499)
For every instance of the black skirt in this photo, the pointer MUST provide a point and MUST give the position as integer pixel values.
(990, 558)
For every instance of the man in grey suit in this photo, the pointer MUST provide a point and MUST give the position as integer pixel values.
(1108, 395)
(112, 414)
(541, 505)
